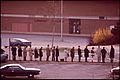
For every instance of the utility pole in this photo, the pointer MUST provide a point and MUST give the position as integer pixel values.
(61, 20)
(53, 21)
(53, 31)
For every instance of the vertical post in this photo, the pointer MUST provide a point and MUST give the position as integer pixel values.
(61, 20)
(9, 48)
(53, 22)
(53, 35)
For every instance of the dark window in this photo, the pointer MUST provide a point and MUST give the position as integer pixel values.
(101, 17)
(10, 69)
(17, 68)
(14, 68)
(74, 26)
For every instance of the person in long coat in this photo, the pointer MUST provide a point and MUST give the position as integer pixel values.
(103, 51)
(66, 54)
(112, 51)
(14, 49)
(25, 53)
(19, 52)
(47, 53)
(92, 53)
(30, 50)
(72, 51)
(35, 53)
(57, 53)
(86, 55)
(98, 52)
(79, 53)
(40, 53)
(53, 53)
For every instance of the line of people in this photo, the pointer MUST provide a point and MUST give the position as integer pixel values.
(100, 53)
(36, 52)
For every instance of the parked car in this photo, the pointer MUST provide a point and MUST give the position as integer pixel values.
(19, 41)
(18, 70)
(115, 71)
(3, 56)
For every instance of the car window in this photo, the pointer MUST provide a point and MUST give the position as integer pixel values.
(10, 69)
(14, 68)
(17, 68)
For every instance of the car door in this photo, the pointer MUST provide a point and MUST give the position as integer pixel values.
(14, 71)
(9, 71)
(18, 71)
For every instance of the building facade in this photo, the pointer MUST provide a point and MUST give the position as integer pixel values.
(68, 17)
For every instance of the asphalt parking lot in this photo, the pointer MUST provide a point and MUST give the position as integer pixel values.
(68, 70)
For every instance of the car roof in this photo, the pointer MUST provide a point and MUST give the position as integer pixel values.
(23, 40)
(19, 41)
(11, 65)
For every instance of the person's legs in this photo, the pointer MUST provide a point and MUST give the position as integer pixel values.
(79, 58)
(52, 58)
(47, 58)
(56, 58)
(65, 58)
(92, 58)
(19, 58)
(99, 59)
(13, 58)
(25, 58)
(71, 59)
(103, 59)
(111, 60)
(40, 58)
(85, 59)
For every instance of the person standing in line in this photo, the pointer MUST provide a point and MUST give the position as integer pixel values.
(53, 53)
(79, 53)
(19, 52)
(35, 53)
(57, 53)
(47, 53)
(98, 52)
(86, 53)
(92, 53)
(14, 52)
(72, 51)
(30, 50)
(6, 49)
(103, 51)
(112, 51)
(40, 53)
(25, 53)
(66, 54)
